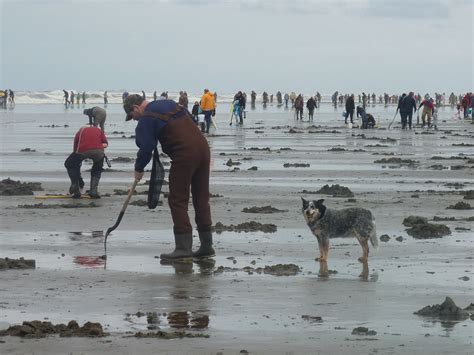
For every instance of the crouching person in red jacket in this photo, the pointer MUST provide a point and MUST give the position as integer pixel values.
(89, 143)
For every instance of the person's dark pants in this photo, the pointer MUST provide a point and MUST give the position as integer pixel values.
(365, 121)
(73, 164)
(466, 114)
(410, 116)
(299, 113)
(351, 115)
(190, 175)
(404, 116)
(286, 103)
(207, 119)
(310, 114)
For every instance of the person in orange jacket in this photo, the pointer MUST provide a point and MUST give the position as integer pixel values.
(208, 107)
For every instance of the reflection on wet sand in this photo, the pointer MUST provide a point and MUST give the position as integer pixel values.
(188, 320)
(189, 297)
(365, 275)
(89, 261)
(78, 236)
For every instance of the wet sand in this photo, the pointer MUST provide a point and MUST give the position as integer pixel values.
(237, 308)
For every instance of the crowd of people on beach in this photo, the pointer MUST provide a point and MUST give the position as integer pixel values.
(407, 105)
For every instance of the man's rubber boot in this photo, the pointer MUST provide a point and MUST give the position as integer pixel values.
(74, 190)
(93, 193)
(183, 248)
(205, 250)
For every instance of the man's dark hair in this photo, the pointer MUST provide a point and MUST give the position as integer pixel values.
(131, 101)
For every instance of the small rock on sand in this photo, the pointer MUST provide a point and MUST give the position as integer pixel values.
(39, 329)
(264, 209)
(251, 226)
(21, 263)
(335, 191)
(445, 310)
(10, 187)
(461, 205)
(363, 331)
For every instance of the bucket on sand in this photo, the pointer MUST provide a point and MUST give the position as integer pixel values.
(349, 124)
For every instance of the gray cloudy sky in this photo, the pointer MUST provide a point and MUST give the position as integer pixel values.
(303, 45)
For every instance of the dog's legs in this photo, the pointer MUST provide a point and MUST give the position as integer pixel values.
(364, 243)
(323, 269)
(325, 245)
(364, 275)
(322, 254)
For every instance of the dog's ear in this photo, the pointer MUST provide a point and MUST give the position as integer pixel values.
(305, 203)
(319, 202)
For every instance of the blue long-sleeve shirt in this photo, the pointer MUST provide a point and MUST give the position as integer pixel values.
(148, 131)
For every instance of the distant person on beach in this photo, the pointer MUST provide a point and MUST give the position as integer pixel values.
(215, 97)
(78, 97)
(66, 98)
(239, 107)
(208, 107)
(83, 97)
(293, 98)
(466, 103)
(286, 98)
(472, 106)
(311, 105)
(97, 116)
(124, 96)
(364, 116)
(334, 98)
(12, 97)
(106, 98)
(350, 108)
(265, 98)
(407, 106)
(89, 143)
(166, 122)
(253, 98)
(72, 97)
(428, 106)
(299, 104)
(164, 94)
(195, 113)
(155, 96)
(183, 99)
(3, 98)
(279, 98)
(143, 95)
(364, 100)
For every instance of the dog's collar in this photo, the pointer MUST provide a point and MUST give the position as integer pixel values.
(312, 224)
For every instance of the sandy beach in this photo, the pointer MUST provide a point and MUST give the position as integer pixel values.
(236, 304)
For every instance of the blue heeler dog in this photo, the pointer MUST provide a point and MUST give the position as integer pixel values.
(326, 223)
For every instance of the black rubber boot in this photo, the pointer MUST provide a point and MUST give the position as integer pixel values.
(205, 250)
(94, 185)
(74, 189)
(183, 248)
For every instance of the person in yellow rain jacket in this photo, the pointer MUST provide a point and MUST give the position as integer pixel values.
(208, 107)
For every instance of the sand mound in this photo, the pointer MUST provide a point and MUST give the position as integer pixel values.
(446, 310)
(10, 187)
(246, 227)
(39, 329)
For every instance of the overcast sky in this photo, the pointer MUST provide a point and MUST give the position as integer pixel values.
(301, 45)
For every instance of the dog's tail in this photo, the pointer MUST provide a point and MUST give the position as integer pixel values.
(373, 236)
